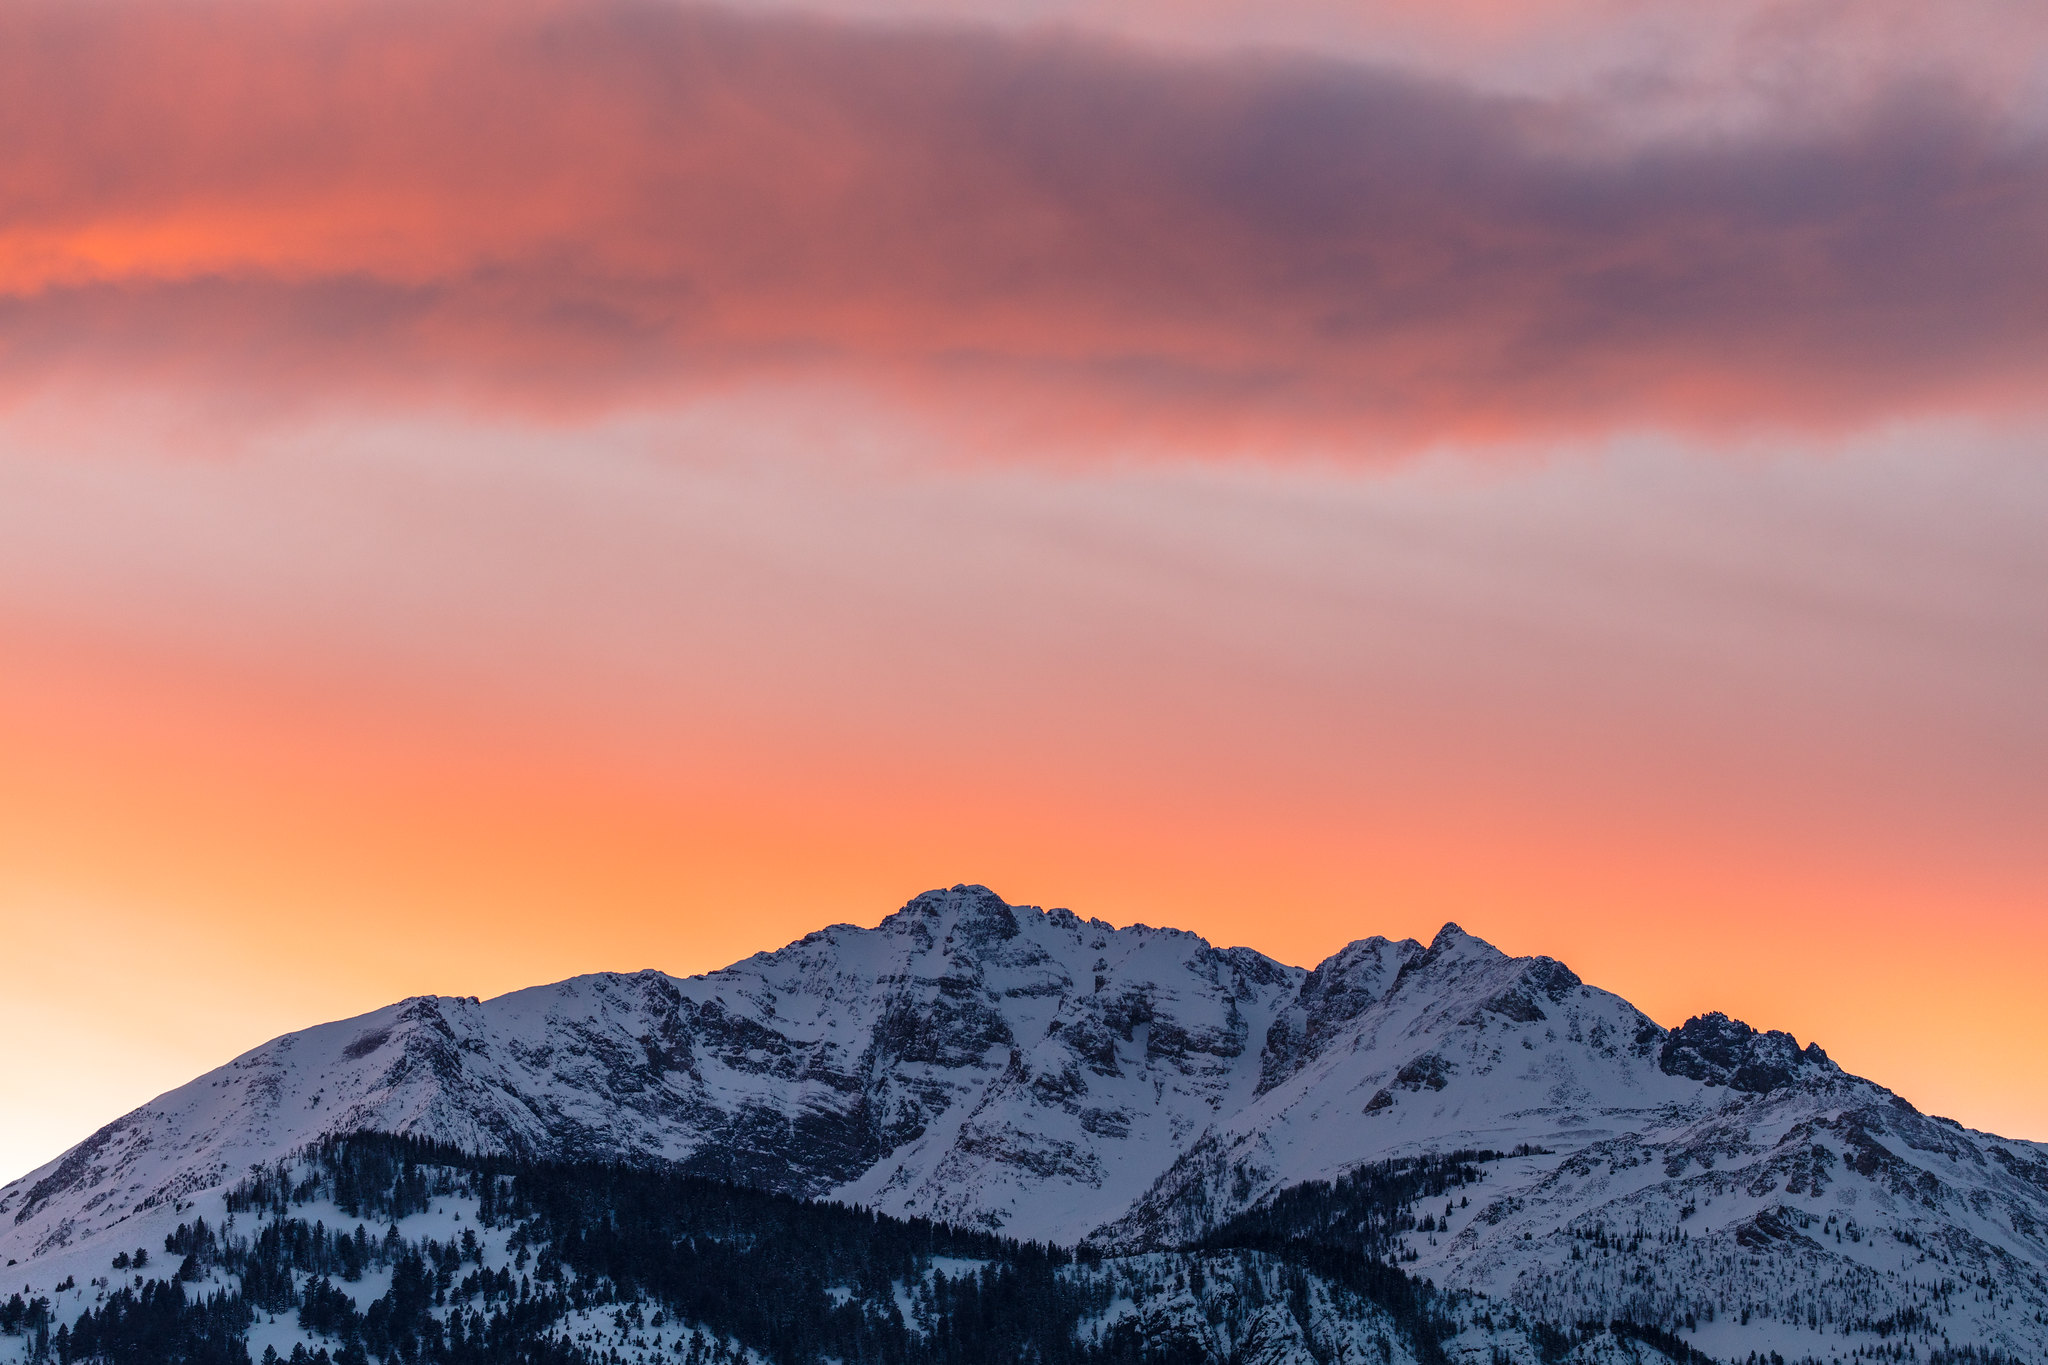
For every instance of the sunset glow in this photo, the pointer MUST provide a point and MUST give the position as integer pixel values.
(496, 491)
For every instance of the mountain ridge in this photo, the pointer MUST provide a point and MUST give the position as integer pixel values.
(1059, 1079)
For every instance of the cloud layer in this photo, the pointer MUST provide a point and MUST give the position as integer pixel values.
(567, 208)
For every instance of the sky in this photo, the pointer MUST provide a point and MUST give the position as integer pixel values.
(496, 491)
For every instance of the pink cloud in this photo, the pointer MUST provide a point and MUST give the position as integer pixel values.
(569, 208)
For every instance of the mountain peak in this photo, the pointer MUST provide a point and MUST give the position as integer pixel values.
(969, 909)
(1454, 942)
(1453, 937)
(969, 896)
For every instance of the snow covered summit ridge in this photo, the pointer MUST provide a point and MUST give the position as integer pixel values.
(1059, 1078)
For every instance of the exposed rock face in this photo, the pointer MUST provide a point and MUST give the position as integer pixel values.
(1058, 1078)
(1335, 993)
(1721, 1051)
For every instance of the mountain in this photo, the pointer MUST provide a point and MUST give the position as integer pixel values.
(970, 1060)
(1138, 1091)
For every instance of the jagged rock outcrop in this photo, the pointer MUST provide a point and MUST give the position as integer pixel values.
(1717, 1050)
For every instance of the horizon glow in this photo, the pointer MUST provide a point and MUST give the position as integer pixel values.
(702, 474)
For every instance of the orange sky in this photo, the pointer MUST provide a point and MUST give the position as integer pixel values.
(696, 476)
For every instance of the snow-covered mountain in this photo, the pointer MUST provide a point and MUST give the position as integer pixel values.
(1701, 1174)
(1060, 1079)
(967, 1059)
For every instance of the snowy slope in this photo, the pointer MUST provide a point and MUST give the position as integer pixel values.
(1059, 1078)
(1710, 1170)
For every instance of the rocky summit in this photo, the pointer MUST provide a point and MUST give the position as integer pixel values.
(1138, 1095)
